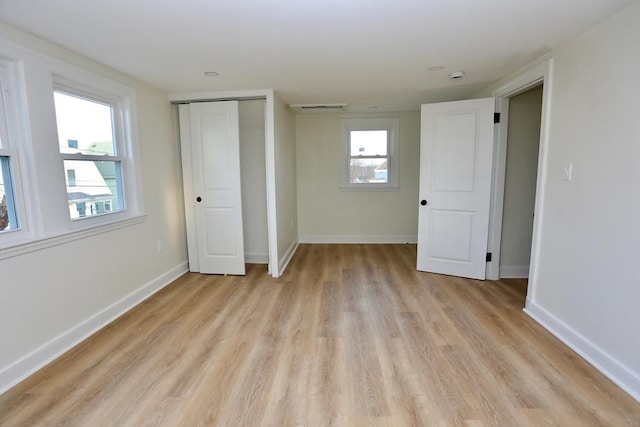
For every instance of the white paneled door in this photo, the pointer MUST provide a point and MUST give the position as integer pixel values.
(456, 152)
(215, 164)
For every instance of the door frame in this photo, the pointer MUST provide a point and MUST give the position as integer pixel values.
(270, 153)
(541, 73)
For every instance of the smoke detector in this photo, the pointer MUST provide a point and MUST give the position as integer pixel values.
(456, 75)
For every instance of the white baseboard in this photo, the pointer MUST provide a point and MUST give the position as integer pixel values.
(46, 353)
(256, 258)
(624, 377)
(359, 239)
(284, 261)
(514, 271)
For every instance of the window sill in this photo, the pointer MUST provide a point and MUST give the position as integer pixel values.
(39, 244)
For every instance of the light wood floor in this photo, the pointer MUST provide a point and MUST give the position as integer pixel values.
(351, 335)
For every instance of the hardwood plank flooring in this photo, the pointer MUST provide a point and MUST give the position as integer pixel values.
(351, 335)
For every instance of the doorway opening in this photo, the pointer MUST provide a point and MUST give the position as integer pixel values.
(253, 180)
(532, 87)
(523, 144)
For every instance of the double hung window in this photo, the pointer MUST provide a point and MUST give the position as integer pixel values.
(11, 209)
(89, 142)
(370, 154)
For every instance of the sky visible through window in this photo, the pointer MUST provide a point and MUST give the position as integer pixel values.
(368, 142)
(86, 122)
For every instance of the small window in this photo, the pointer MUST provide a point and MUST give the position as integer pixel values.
(370, 147)
(90, 150)
(71, 178)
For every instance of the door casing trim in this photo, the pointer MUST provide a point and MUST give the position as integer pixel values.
(541, 73)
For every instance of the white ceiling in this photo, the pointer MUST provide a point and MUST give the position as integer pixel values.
(362, 52)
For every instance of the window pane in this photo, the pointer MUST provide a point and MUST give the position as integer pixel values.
(93, 187)
(368, 142)
(4, 140)
(84, 126)
(8, 215)
(368, 171)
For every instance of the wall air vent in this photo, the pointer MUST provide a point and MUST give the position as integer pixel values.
(319, 108)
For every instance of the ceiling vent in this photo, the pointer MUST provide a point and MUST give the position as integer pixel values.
(319, 108)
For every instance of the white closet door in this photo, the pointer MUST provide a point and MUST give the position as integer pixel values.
(211, 152)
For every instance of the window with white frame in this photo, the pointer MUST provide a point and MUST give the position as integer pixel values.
(93, 185)
(370, 153)
(12, 212)
(89, 141)
(8, 212)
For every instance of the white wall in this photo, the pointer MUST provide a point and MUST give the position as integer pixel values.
(326, 213)
(520, 182)
(286, 187)
(587, 283)
(53, 297)
(253, 177)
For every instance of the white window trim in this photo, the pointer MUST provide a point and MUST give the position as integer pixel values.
(392, 126)
(12, 132)
(120, 97)
(119, 144)
(34, 73)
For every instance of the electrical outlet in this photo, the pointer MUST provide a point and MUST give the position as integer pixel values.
(159, 245)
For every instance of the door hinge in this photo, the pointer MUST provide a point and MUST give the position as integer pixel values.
(488, 256)
(496, 117)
